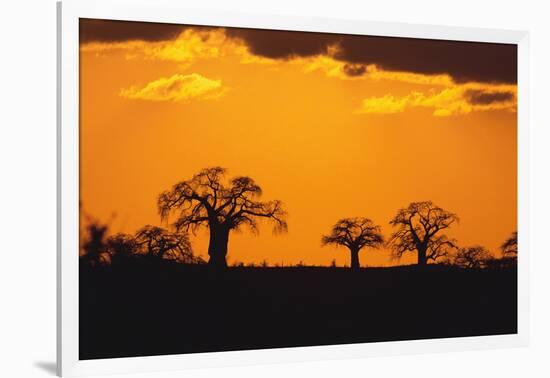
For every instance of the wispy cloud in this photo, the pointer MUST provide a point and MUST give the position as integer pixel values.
(348, 71)
(387, 104)
(459, 99)
(189, 46)
(437, 91)
(177, 88)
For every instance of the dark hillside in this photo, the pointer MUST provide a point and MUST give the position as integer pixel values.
(165, 308)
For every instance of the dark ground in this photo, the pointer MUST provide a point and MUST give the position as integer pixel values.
(155, 309)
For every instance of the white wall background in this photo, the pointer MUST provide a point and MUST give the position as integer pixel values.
(27, 187)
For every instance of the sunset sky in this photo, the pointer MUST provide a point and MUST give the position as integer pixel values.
(332, 125)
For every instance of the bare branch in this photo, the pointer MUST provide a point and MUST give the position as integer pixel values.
(418, 229)
(472, 257)
(354, 233)
(510, 246)
(206, 201)
(163, 244)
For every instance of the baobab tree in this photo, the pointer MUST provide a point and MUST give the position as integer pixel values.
(121, 247)
(206, 201)
(354, 234)
(419, 228)
(94, 244)
(472, 257)
(510, 246)
(162, 244)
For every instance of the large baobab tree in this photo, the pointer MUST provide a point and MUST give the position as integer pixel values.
(355, 234)
(206, 201)
(510, 246)
(419, 228)
(472, 257)
(163, 244)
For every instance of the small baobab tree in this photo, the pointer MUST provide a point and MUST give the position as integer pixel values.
(510, 247)
(472, 257)
(94, 244)
(162, 244)
(121, 247)
(206, 200)
(354, 234)
(419, 228)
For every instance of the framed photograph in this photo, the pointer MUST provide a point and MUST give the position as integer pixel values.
(251, 188)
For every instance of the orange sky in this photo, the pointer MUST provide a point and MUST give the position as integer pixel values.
(329, 145)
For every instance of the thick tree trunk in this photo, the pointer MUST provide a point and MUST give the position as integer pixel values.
(217, 248)
(422, 258)
(355, 259)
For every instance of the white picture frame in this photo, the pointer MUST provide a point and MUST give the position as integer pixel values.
(69, 12)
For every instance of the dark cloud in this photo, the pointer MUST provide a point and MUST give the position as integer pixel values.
(480, 97)
(464, 61)
(277, 44)
(352, 69)
(94, 30)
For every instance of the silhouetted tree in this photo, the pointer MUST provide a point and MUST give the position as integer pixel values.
(510, 246)
(472, 257)
(441, 249)
(162, 244)
(419, 229)
(355, 234)
(94, 244)
(205, 200)
(121, 247)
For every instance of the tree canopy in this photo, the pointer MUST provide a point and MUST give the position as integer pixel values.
(163, 244)
(355, 234)
(419, 228)
(472, 257)
(510, 246)
(206, 200)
